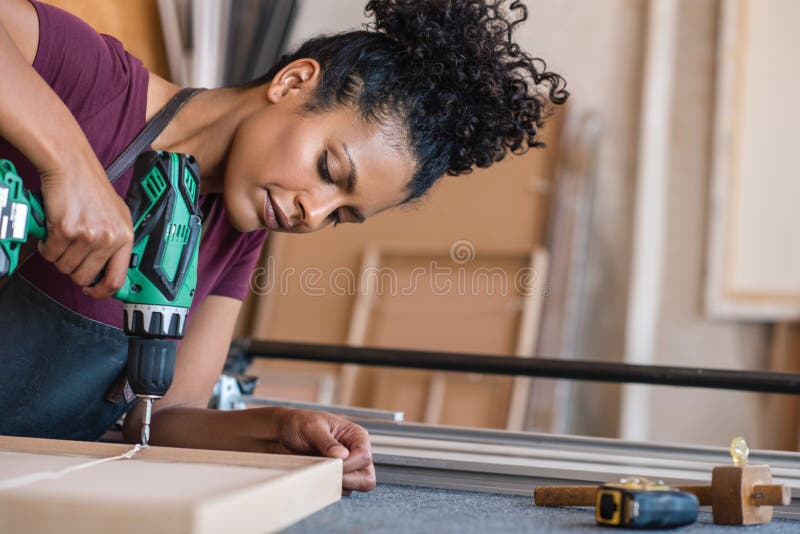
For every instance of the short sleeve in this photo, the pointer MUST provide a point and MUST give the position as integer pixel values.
(235, 279)
(86, 69)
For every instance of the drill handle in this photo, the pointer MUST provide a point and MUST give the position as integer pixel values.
(37, 225)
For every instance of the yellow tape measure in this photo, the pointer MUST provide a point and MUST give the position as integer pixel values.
(638, 502)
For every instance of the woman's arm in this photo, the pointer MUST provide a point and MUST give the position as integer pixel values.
(88, 223)
(181, 418)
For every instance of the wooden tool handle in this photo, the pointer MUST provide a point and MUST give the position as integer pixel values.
(585, 495)
(564, 495)
(703, 493)
(771, 495)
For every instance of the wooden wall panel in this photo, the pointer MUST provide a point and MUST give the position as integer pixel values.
(461, 301)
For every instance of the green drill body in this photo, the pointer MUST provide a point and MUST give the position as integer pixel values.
(162, 274)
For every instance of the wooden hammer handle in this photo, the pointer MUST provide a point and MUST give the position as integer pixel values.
(771, 495)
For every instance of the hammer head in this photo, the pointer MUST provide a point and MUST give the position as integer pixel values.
(732, 494)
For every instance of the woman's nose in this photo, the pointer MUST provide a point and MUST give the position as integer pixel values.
(314, 208)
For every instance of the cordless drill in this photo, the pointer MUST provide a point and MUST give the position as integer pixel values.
(162, 273)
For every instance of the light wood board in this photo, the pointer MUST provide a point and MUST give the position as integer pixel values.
(160, 489)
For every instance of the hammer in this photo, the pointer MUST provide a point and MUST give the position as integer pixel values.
(739, 494)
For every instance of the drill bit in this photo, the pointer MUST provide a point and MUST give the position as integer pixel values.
(148, 409)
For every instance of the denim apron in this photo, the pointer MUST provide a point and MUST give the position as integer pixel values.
(56, 367)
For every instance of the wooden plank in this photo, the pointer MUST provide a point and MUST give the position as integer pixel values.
(784, 410)
(160, 489)
(528, 334)
(364, 301)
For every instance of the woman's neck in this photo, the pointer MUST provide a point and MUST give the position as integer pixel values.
(204, 127)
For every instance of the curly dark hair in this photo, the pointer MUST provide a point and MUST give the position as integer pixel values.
(446, 72)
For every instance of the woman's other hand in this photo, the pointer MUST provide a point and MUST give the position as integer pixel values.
(88, 225)
(311, 432)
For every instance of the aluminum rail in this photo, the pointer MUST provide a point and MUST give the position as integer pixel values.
(595, 371)
(351, 412)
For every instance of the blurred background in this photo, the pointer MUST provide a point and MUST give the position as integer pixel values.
(659, 226)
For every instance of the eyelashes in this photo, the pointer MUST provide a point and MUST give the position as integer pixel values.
(322, 166)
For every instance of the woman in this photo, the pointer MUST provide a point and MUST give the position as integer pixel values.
(345, 127)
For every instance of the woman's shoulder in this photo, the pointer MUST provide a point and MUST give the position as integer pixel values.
(89, 71)
(20, 20)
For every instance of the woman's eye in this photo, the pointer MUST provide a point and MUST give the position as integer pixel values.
(335, 217)
(323, 167)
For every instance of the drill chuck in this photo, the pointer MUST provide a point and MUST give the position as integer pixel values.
(151, 364)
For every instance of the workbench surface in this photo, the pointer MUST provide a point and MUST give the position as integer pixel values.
(391, 508)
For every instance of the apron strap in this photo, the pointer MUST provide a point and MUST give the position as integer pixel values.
(149, 133)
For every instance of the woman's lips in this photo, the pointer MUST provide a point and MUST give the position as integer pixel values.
(270, 220)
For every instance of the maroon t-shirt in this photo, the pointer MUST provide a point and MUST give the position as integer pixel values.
(105, 88)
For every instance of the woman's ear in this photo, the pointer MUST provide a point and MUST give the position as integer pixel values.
(299, 76)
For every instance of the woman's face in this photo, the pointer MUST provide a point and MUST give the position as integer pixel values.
(297, 172)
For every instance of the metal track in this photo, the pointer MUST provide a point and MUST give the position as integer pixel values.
(515, 463)
(350, 412)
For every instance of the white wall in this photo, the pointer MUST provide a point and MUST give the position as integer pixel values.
(315, 17)
(597, 47)
(685, 336)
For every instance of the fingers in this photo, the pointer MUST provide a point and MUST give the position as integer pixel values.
(320, 437)
(363, 480)
(359, 471)
(356, 439)
(308, 432)
(116, 271)
(359, 458)
(74, 258)
(53, 248)
(82, 264)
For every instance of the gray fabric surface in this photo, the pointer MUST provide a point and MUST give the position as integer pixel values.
(395, 509)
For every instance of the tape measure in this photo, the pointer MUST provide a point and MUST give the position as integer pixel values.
(641, 503)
